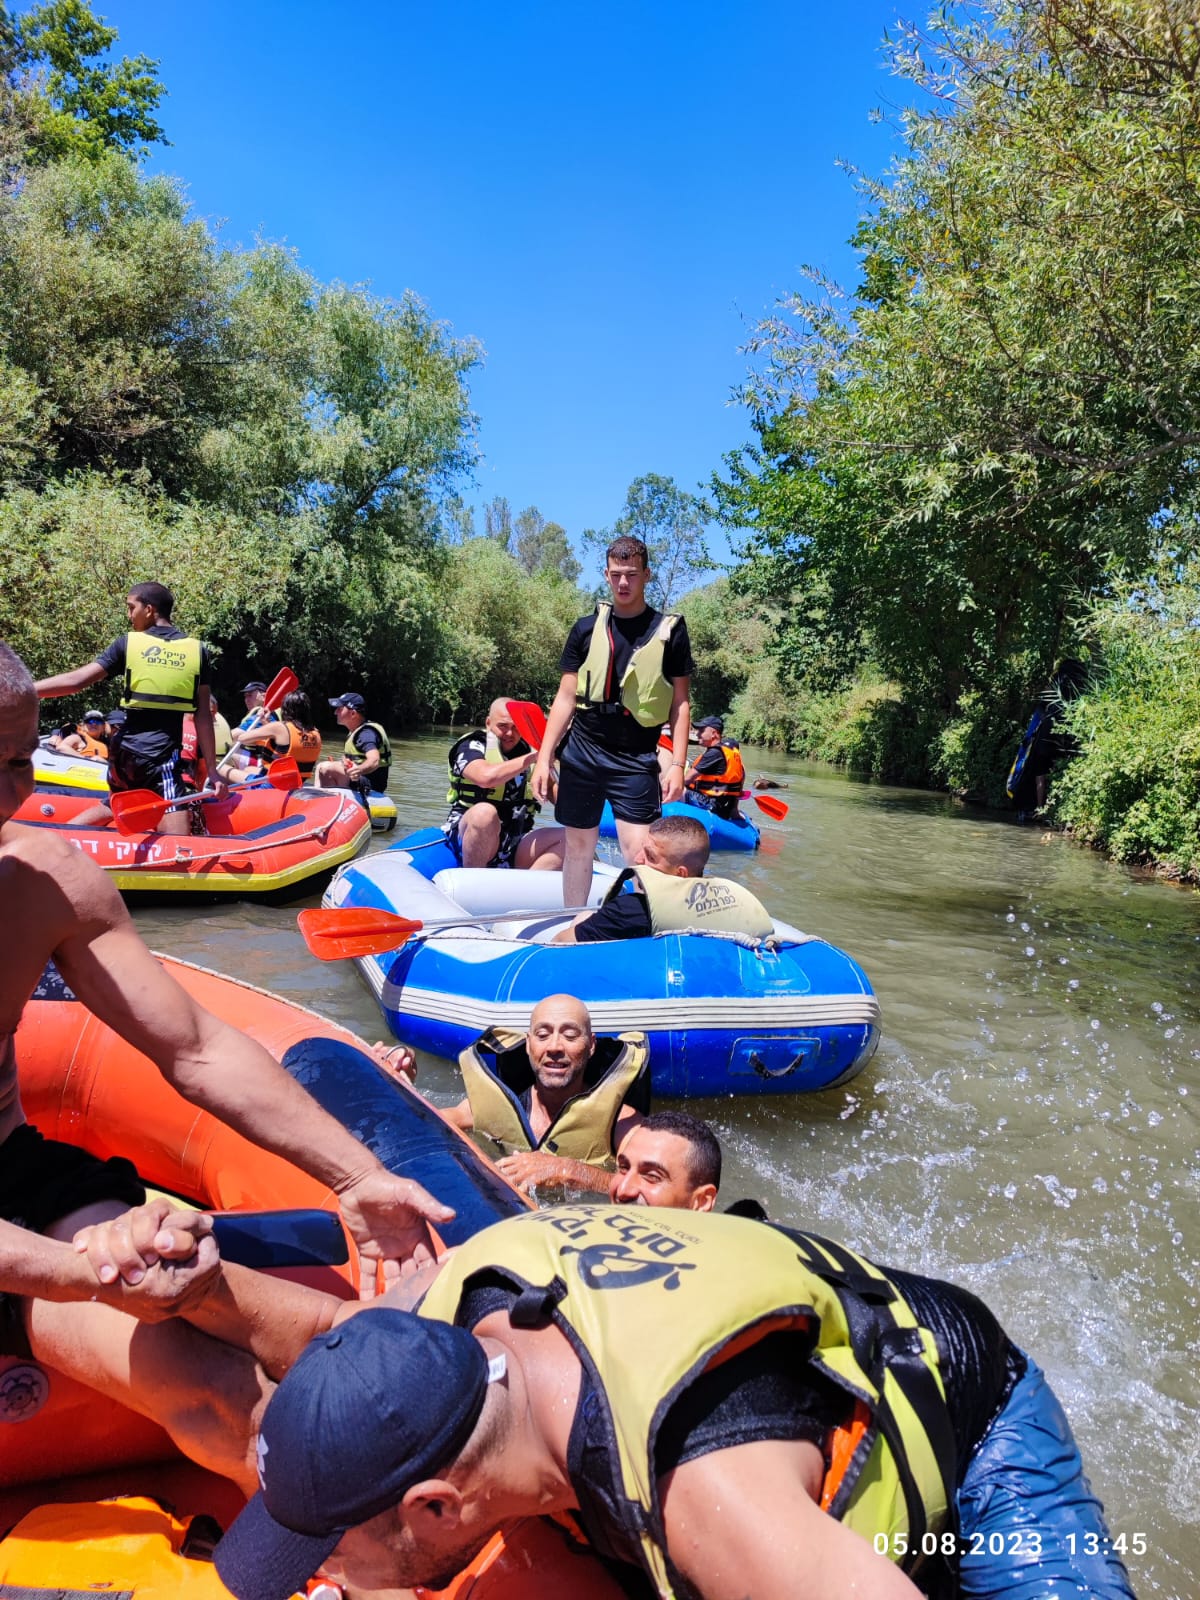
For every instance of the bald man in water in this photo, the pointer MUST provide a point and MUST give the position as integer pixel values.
(492, 808)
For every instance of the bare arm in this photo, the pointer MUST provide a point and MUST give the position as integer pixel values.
(490, 775)
(681, 726)
(557, 723)
(259, 733)
(743, 1522)
(216, 1067)
(69, 682)
(526, 1168)
(205, 738)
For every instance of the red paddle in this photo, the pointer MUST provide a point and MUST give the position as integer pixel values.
(338, 932)
(529, 720)
(141, 810)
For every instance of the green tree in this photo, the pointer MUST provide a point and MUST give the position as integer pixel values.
(672, 524)
(543, 546)
(73, 101)
(992, 430)
(497, 521)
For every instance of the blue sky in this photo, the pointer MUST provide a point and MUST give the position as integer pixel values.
(604, 196)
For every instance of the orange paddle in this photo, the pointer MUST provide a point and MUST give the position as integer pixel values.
(141, 810)
(337, 932)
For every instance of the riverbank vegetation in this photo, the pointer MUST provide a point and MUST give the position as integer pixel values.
(981, 459)
(963, 471)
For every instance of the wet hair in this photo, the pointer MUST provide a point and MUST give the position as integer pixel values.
(704, 1149)
(687, 840)
(16, 680)
(297, 708)
(627, 548)
(156, 595)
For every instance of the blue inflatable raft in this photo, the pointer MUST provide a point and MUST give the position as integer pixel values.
(738, 833)
(723, 1016)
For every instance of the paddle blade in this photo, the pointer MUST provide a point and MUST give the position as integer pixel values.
(770, 807)
(342, 933)
(665, 742)
(530, 721)
(137, 810)
(284, 682)
(284, 774)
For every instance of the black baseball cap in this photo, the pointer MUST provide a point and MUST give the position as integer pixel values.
(378, 1404)
(355, 700)
(249, 688)
(712, 722)
(115, 718)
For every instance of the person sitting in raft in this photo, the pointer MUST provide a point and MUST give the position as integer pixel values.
(97, 1314)
(89, 738)
(492, 808)
(242, 756)
(676, 848)
(293, 733)
(733, 1407)
(558, 1100)
(367, 754)
(222, 732)
(716, 778)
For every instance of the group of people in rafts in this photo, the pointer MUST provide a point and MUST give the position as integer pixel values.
(732, 1406)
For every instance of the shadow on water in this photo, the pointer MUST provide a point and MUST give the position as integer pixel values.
(1028, 1126)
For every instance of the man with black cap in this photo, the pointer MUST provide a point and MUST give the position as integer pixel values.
(733, 1407)
(716, 778)
(239, 758)
(366, 756)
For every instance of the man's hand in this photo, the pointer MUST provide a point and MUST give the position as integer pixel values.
(542, 780)
(388, 1218)
(154, 1261)
(525, 1168)
(672, 784)
(217, 783)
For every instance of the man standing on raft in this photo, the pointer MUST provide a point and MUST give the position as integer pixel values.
(166, 675)
(626, 670)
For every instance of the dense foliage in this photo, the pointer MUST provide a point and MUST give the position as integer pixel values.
(953, 468)
(283, 453)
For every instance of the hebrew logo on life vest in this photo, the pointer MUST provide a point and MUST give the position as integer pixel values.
(708, 897)
(162, 654)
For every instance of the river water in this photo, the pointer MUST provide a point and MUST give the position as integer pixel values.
(1028, 1126)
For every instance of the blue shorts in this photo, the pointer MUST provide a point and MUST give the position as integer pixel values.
(1030, 1527)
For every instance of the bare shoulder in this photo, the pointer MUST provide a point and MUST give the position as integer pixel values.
(57, 881)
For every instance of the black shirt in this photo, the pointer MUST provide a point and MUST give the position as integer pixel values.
(161, 727)
(624, 732)
(625, 917)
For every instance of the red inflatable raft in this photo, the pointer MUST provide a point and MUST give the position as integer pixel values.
(259, 841)
(95, 1499)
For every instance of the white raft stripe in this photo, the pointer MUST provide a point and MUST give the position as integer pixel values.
(690, 1012)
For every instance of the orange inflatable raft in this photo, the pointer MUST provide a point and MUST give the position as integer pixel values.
(94, 1499)
(260, 841)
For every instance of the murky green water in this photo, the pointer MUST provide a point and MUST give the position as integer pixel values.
(1028, 1126)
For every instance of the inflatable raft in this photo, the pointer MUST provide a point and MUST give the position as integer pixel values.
(260, 841)
(722, 1016)
(59, 772)
(65, 1450)
(737, 833)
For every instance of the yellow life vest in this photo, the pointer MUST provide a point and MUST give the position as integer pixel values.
(161, 674)
(691, 905)
(583, 1129)
(645, 692)
(463, 793)
(649, 1299)
(385, 746)
(129, 1545)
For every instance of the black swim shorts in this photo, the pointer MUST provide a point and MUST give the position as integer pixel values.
(132, 768)
(588, 775)
(42, 1180)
